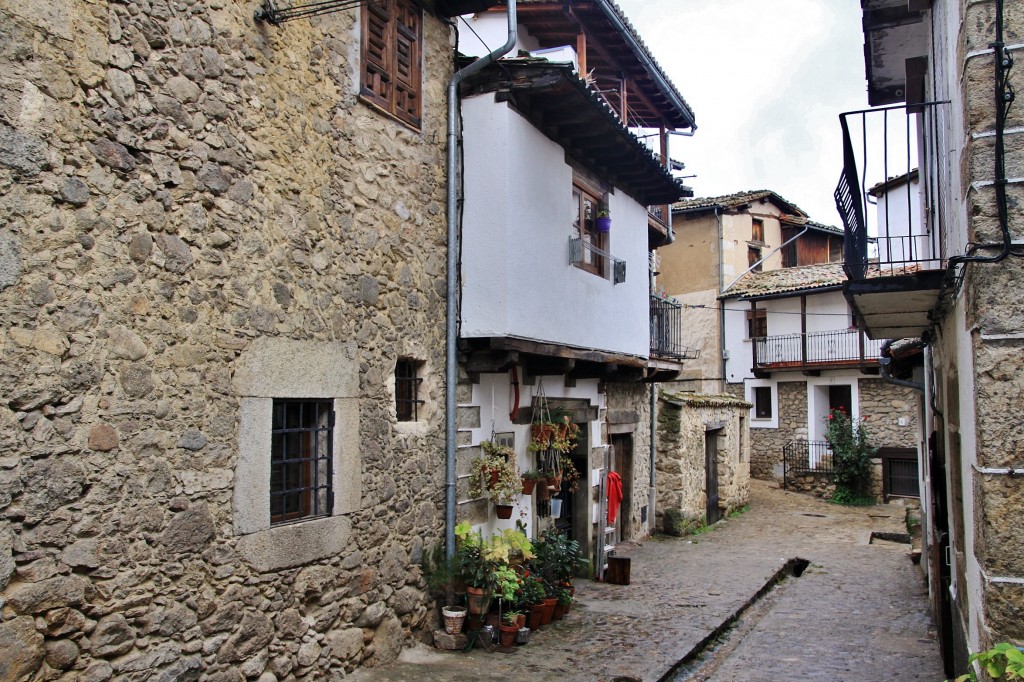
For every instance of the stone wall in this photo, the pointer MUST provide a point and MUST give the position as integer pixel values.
(766, 444)
(683, 421)
(629, 411)
(176, 184)
(883, 405)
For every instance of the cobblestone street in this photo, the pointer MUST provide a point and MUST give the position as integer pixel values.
(857, 613)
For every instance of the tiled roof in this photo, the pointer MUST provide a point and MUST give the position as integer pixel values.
(681, 399)
(728, 201)
(786, 280)
(814, 225)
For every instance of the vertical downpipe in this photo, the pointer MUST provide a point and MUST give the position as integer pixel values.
(652, 488)
(452, 276)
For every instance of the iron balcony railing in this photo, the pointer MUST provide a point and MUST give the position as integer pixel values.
(882, 150)
(667, 331)
(847, 347)
(805, 457)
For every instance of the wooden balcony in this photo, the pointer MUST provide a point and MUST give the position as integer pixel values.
(845, 349)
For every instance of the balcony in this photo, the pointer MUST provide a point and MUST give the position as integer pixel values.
(845, 349)
(894, 253)
(667, 331)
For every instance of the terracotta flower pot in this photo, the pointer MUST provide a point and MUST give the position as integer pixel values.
(477, 600)
(507, 634)
(558, 613)
(549, 610)
(536, 616)
(504, 511)
(528, 485)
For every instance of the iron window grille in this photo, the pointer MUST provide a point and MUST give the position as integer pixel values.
(407, 390)
(301, 460)
(583, 253)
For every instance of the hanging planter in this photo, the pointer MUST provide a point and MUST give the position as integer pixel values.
(504, 511)
(543, 491)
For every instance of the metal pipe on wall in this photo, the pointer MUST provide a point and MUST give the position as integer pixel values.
(452, 276)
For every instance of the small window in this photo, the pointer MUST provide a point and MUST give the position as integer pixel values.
(301, 459)
(392, 44)
(754, 258)
(762, 402)
(757, 324)
(757, 230)
(407, 390)
(594, 242)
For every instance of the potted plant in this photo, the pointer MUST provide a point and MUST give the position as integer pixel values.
(496, 477)
(530, 478)
(570, 474)
(531, 597)
(475, 567)
(508, 628)
(603, 222)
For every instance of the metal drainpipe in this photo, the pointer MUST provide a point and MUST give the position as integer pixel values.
(452, 308)
(652, 489)
(883, 363)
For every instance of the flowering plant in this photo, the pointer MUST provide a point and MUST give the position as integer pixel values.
(851, 453)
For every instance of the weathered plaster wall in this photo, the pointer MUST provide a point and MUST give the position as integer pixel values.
(683, 420)
(177, 183)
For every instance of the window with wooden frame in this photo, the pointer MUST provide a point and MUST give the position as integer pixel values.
(407, 390)
(762, 399)
(754, 258)
(301, 456)
(757, 323)
(595, 243)
(392, 47)
(757, 230)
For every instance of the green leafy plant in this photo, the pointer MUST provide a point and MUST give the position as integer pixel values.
(510, 617)
(507, 583)
(495, 475)
(558, 560)
(851, 454)
(1001, 661)
(531, 591)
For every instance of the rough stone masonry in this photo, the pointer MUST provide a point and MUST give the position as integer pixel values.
(179, 184)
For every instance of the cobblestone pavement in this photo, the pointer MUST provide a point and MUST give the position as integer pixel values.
(858, 612)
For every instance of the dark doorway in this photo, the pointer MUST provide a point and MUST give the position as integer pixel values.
(841, 398)
(714, 512)
(622, 444)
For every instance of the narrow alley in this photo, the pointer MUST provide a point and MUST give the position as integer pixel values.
(725, 605)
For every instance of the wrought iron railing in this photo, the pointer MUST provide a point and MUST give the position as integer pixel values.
(887, 148)
(818, 349)
(667, 331)
(805, 457)
(586, 255)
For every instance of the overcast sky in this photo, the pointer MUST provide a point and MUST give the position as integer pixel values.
(766, 82)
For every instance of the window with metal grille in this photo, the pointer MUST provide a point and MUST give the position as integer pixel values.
(392, 45)
(407, 390)
(762, 402)
(301, 457)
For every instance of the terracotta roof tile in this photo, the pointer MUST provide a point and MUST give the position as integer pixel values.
(785, 280)
(728, 201)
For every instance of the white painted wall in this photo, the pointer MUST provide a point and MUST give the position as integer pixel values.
(516, 277)
(493, 395)
(902, 235)
(480, 34)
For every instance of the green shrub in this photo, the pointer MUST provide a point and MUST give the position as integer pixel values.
(851, 457)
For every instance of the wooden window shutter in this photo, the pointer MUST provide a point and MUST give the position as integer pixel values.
(392, 51)
(377, 53)
(408, 39)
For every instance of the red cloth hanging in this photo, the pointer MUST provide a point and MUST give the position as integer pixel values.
(614, 489)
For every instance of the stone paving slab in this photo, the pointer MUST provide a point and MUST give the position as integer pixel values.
(682, 589)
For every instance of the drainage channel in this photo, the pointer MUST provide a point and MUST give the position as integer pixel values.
(702, 660)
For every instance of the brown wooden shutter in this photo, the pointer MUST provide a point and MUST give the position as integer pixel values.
(377, 53)
(408, 39)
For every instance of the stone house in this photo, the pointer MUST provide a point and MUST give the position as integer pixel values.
(704, 458)
(951, 281)
(221, 320)
(555, 310)
(795, 353)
